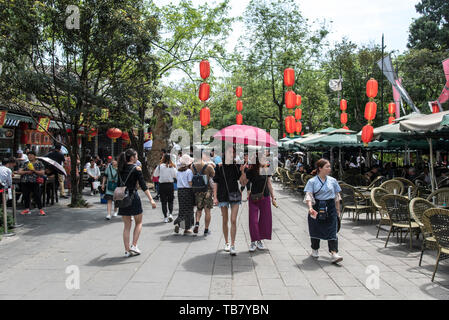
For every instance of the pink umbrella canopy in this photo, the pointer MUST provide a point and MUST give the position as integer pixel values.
(247, 135)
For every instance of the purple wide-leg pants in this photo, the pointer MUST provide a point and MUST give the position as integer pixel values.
(260, 219)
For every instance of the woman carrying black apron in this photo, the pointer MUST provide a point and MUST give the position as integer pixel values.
(323, 201)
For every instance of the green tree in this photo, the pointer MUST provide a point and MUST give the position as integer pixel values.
(431, 30)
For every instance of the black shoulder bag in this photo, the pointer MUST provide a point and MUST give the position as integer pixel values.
(322, 205)
(233, 196)
(259, 196)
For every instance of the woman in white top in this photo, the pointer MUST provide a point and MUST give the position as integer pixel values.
(186, 198)
(93, 173)
(166, 171)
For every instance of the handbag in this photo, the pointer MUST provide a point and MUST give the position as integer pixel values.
(40, 180)
(233, 196)
(258, 196)
(321, 206)
(121, 194)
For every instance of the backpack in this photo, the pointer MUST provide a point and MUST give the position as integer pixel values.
(121, 194)
(200, 180)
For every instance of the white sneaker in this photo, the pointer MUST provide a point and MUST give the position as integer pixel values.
(315, 253)
(132, 218)
(260, 245)
(233, 251)
(336, 258)
(252, 247)
(115, 214)
(127, 254)
(91, 193)
(227, 247)
(135, 250)
(165, 220)
(170, 218)
(108, 217)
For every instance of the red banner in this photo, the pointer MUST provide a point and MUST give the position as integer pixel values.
(34, 137)
(3, 118)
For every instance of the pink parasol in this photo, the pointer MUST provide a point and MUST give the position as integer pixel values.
(248, 135)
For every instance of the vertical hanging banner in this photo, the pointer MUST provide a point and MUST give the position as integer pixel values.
(43, 124)
(392, 77)
(104, 114)
(3, 118)
(398, 100)
(444, 97)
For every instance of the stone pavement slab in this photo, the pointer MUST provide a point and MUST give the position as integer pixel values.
(36, 263)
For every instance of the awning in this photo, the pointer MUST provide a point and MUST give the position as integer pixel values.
(13, 119)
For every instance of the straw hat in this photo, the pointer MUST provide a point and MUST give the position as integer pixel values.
(186, 160)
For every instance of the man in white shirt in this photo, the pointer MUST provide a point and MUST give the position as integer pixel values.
(288, 164)
(93, 173)
(6, 172)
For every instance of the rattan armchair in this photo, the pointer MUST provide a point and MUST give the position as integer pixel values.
(417, 208)
(407, 183)
(439, 226)
(392, 185)
(376, 183)
(291, 182)
(354, 201)
(441, 197)
(398, 210)
(376, 196)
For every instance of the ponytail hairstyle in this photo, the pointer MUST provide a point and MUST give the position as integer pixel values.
(125, 157)
(166, 158)
(320, 164)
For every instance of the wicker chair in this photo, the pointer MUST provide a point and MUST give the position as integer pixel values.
(407, 183)
(376, 196)
(417, 208)
(392, 185)
(398, 210)
(439, 226)
(277, 174)
(354, 201)
(306, 178)
(441, 197)
(376, 183)
(291, 182)
(443, 182)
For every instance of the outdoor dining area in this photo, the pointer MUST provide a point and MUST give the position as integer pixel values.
(401, 206)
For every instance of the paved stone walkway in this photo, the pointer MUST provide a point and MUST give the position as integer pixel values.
(33, 263)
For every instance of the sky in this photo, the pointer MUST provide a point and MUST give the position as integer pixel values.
(361, 21)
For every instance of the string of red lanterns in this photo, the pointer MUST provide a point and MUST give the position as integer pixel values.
(344, 114)
(239, 105)
(370, 111)
(298, 114)
(290, 100)
(204, 93)
(391, 111)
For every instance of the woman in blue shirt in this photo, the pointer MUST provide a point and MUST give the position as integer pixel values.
(323, 201)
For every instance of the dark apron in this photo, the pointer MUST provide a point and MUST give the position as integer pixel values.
(324, 229)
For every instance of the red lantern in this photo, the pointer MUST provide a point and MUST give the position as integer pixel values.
(289, 77)
(290, 124)
(346, 128)
(343, 105)
(367, 134)
(239, 119)
(391, 120)
(298, 127)
(302, 133)
(204, 92)
(298, 114)
(114, 134)
(344, 118)
(372, 88)
(435, 108)
(92, 133)
(298, 100)
(239, 92)
(290, 99)
(391, 108)
(239, 106)
(205, 116)
(125, 136)
(204, 69)
(285, 135)
(370, 110)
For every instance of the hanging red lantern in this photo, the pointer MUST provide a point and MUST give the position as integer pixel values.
(125, 136)
(367, 134)
(205, 116)
(114, 134)
(289, 77)
(344, 118)
(298, 100)
(372, 88)
(298, 114)
(204, 69)
(285, 135)
(346, 128)
(290, 124)
(290, 99)
(343, 105)
(204, 91)
(370, 110)
(239, 106)
(391, 120)
(239, 119)
(392, 108)
(435, 108)
(92, 133)
(298, 127)
(302, 133)
(239, 92)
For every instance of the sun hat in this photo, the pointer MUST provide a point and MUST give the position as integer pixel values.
(186, 160)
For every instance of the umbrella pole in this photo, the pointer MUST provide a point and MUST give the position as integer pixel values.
(432, 173)
(340, 169)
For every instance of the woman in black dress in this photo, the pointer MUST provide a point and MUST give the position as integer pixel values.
(130, 174)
